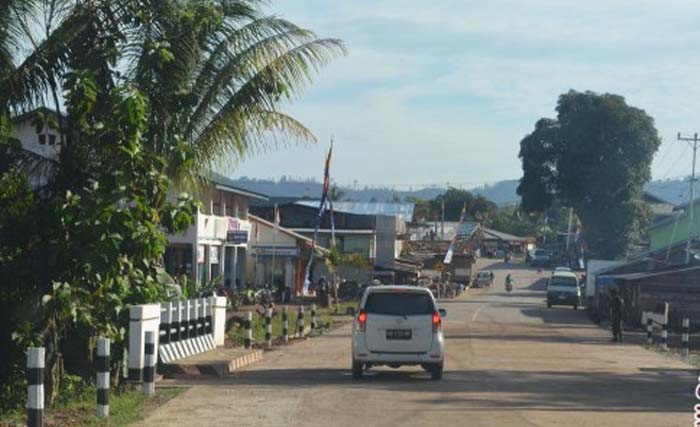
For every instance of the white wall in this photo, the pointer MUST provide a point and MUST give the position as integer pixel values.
(594, 267)
(26, 133)
(385, 241)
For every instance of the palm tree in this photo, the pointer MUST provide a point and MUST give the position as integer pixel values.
(216, 74)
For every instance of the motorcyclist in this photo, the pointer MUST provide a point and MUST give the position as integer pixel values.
(509, 282)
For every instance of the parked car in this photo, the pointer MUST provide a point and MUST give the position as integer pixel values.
(483, 279)
(541, 258)
(395, 326)
(563, 289)
(562, 270)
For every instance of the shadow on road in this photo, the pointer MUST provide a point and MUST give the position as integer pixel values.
(655, 391)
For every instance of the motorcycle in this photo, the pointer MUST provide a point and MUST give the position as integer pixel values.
(509, 287)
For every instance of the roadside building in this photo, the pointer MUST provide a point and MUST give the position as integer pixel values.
(644, 291)
(494, 241)
(41, 143)
(675, 228)
(431, 253)
(216, 245)
(359, 228)
(280, 258)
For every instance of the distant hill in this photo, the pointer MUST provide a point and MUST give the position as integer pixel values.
(502, 193)
(312, 189)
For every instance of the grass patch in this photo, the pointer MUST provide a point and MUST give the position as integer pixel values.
(126, 406)
(329, 316)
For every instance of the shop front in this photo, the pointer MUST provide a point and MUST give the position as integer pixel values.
(276, 265)
(277, 256)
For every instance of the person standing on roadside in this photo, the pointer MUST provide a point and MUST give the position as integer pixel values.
(617, 306)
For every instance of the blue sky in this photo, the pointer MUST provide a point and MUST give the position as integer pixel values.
(436, 92)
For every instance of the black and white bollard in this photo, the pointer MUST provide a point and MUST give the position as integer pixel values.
(102, 368)
(149, 368)
(35, 387)
(664, 335)
(285, 324)
(650, 330)
(247, 325)
(268, 327)
(314, 325)
(686, 335)
(300, 322)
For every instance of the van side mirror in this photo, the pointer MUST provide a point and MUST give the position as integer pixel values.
(443, 312)
(350, 311)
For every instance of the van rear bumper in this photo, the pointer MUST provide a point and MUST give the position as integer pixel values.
(360, 353)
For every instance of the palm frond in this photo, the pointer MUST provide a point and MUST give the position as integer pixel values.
(239, 134)
(25, 87)
(282, 77)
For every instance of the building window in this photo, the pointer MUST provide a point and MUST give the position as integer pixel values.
(42, 139)
(216, 209)
(178, 260)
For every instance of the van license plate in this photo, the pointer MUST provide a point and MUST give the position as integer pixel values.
(398, 334)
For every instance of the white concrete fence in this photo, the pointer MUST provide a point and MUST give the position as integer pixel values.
(181, 329)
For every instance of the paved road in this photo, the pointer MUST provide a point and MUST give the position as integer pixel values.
(510, 362)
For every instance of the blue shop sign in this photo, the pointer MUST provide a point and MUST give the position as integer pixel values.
(237, 237)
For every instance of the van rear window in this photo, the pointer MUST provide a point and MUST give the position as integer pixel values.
(399, 304)
(563, 281)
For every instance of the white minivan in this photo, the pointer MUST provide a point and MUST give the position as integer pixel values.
(563, 289)
(395, 326)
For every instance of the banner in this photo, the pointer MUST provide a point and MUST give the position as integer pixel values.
(321, 211)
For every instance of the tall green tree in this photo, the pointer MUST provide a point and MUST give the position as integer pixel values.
(595, 157)
(478, 207)
(153, 91)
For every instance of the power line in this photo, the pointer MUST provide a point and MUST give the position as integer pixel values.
(673, 165)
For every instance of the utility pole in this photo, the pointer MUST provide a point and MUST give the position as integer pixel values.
(442, 222)
(693, 143)
(568, 229)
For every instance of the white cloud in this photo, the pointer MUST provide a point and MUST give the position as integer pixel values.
(405, 111)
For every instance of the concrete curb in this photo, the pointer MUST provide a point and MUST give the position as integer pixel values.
(219, 368)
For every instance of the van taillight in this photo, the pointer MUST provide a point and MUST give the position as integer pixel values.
(361, 321)
(437, 321)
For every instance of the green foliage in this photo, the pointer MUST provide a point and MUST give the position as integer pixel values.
(335, 259)
(596, 158)
(513, 220)
(155, 92)
(190, 289)
(478, 207)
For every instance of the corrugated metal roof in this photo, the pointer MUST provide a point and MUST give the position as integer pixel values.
(647, 274)
(401, 210)
(228, 184)
(505, 236)
(466, 229)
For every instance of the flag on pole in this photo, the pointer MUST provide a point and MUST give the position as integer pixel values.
(448, 255)
(321, 211)
(274, 244)
(451, 249)
(330, 203)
